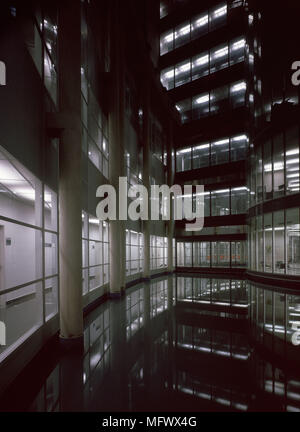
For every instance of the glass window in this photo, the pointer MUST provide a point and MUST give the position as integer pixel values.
(22, 252)
(199, 25)
(239, 200)
(166, 42)
(268, 177)
(200, 65)
(238, 147)
(50, 209)
(278, 166)
(220, 151)
(259, 174)
(182, 34)
(268, 231)
(50, 77)
(185, 109)
(51, 254)
(164, 8)
(18, 324)
(259, 244)
(219, 58)
(201, 106)
(218, 16)
(292, 160)
(237, 51)
(21, 192)
(183, 160)
(220, 202)
(167, 78)
(237, 94)
(182, 73)
(279, 244)
(201, 155)
(293, 241)
(51, 297)
(219, 100)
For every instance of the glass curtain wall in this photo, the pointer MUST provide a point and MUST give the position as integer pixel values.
(134, 252)
(219, 100)
(204, 63)
(212, 254)
(28, 252)
(191, 29)
(216, 152)
(95, 253)
(158, 252)
(275, 242)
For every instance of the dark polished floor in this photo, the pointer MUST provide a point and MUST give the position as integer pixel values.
(173, 344)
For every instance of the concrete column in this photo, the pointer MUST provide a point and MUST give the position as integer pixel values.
(146, 173)
(116, 137)
(170, 173)
(70, 249)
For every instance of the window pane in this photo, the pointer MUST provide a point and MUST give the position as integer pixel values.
(293, 240)
(21, 193)
(238, 147)
(201, 156)
(237, 94)
(166, 42)
(219, 58)
(200, 65)
(292, 160)
(278, 166)
(22, 261)
(201, 106)
(167, 78)
(21, 311)
(218, 16)
(51, 254)
(182, 34)
(185, 109)
(50, 209)
(182, 73)
(199, 25)
(219, 100)
(279, 244)
(51, 297)
(237, 51)
(183, 160)
(220, 152)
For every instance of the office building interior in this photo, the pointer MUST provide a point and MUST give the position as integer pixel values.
(138, 315)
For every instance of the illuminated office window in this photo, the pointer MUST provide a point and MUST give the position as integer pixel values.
(28, 277)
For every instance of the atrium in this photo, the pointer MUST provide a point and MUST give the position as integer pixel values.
(147, 315)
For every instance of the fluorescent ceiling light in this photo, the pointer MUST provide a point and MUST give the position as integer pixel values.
(220, 12)
(202, 99)
(201, 21)
(238, 87)
(222, 142)
(221, 52)
(187, 150)
(239, 44)
(201, 60)
(202, 146)
(292, 152)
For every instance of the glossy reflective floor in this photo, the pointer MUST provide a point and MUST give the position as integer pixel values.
(177, 344)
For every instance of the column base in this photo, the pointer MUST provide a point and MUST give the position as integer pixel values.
(116, 295)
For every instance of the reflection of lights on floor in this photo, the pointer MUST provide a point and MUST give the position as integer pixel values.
(212, 302)
(290, 408)
(207, 396)
(212, 350)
